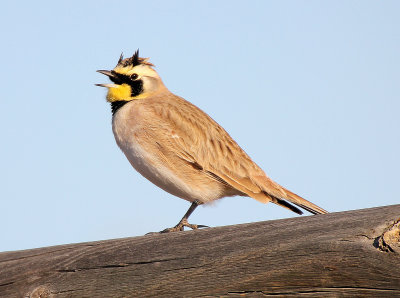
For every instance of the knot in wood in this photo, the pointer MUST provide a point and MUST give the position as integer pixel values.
(40, 292)
(392, 237)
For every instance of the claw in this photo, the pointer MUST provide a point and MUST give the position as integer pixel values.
(181, 226)
(184, 221)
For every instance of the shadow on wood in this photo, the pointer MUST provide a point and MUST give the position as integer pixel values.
(339, 254)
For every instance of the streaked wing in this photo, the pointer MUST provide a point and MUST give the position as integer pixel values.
(196, 138)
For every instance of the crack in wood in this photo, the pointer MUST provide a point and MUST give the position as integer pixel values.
(6, 284)
(67, 291)
(107, 266)
(316, 290)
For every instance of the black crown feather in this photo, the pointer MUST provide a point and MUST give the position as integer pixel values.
(134, 60)
(120, 58)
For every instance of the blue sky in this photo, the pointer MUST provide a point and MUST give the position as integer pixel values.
(310, 89)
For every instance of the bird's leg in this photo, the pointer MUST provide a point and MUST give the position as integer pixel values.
(184, 221)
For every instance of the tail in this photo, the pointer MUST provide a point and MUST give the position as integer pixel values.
(264, 190)
(265, 197)
(300, 202)
(283, 197)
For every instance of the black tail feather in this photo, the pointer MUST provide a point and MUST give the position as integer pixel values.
(289, 206)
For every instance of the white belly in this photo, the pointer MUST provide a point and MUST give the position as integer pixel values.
(148, 163)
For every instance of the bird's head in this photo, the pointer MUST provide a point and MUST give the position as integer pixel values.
(132, 78)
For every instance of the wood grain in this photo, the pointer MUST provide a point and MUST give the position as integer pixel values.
(346, 254)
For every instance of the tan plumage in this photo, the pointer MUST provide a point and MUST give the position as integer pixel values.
(180, 148)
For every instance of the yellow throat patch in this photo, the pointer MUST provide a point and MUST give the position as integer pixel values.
(119, 93)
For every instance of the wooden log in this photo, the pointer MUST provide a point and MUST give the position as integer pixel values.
(346, 254)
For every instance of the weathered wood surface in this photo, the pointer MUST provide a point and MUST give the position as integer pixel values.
(346, 254)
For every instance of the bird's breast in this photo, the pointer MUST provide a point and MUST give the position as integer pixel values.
(131, 130)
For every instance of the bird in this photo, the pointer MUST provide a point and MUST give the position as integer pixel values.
(180, 148)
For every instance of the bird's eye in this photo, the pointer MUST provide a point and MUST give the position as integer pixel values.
(134, 76)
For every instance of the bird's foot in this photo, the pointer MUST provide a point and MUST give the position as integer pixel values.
(181, 226)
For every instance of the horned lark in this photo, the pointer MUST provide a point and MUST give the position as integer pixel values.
(180, 148)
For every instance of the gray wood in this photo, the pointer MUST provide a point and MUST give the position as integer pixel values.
(346, 254)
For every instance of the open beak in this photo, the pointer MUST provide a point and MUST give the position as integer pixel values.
(107, 85)
(109, 74)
